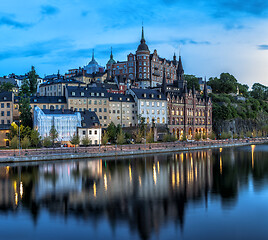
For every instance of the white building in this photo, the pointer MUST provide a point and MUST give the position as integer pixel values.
(66, 122)
(151, 104)
(90, 127)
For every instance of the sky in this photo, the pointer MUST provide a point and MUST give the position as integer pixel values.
(212, 36)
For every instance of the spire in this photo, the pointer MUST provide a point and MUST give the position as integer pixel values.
(111, 56)
(164, 82)
(205, 89)
(142, 35)
(93, 54)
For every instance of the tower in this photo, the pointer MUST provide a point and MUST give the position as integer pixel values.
(182, 84)
(142, 57)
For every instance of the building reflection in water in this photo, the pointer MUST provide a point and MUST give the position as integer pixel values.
(143, 193)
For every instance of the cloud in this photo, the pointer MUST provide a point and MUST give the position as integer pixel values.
(8, 21)
(263, 47)
(48, 10)
(36, 49)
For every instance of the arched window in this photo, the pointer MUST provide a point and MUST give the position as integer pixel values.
(158, 120)
(148, 120)
(163, 120)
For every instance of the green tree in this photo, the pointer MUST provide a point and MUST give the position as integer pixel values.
(259, 91)
(47, 142)
(35, 138)
(112, 131)
(105, 138)
(120, 138)
(197, 136)
(227, 83)
(25, 88)
(86, 141)
(150, 137)
(25, 131)
(212, 135)
(53, 133)
(75, 140)
(192, 81)
(25, 143)
(6, 87)
(25, 112)
(14, 143)
(138, 136)
(32, 80)
(13, 130)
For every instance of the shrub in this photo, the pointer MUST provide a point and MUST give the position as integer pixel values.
(47, 142)
(25, 143)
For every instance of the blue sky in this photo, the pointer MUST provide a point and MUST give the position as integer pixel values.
(214, 35)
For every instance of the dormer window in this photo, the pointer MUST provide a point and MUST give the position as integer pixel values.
(102, 94)
(111, 98)
(159, 96)
(152, 95)
(82, 94)
(35, 100)
(92, 94)
(144, 95)
(84, 124)
(73, 93)
(5, 98)
(59, 100)
(120, 99)
(128, 99)
(98, 94)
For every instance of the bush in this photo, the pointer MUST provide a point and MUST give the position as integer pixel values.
(197, 136)
(212, 135)
(248, 134)
(14, 143)
(25, 143)
(225, 135)
(47, 142)
(86, 141)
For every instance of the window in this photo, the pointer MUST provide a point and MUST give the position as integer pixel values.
(89, 109)
(89, 101)
(90, 132)
(163, 104)
(73, 93)
(148, 111)
(152, 111)
(8, 105)
(2, 113)
(147, 104)
(2, 105)
(95, 109)
(152, 104)
(142, 103)
(158, 111)
(82, 94)
(105, 110)
(105, 117)
(8, 113)
(158, 104)
(96, 142)
(2, 122)
(44, 107)
(104, 102)
(95, 102)
(8, 121)
(100, 110)
(100, 102)
(84, 132)
(95, 132)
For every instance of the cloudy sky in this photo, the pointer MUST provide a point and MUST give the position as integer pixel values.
(214, 35)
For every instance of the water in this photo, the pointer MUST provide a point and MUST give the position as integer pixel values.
(212, 194)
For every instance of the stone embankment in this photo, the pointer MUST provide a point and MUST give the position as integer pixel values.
(34, 155)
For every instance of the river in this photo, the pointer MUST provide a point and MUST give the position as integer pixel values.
(209, 194)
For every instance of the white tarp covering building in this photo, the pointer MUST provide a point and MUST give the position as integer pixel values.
(66, 122)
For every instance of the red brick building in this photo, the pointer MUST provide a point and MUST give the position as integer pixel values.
(143, 69)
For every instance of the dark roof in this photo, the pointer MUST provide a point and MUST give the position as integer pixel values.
(58, 111)
(99, 92)
(116, 97)
(5, 126)
(5, 96)
(111, 85)
(8, 80)
(56, 81)
(46, 99)
(89, 119)
(148, 94)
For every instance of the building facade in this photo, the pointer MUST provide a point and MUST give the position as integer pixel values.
(89, 98)
(123, 110)
(151, 105)
(6, 107)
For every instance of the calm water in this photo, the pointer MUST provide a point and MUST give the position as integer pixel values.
(213, 194)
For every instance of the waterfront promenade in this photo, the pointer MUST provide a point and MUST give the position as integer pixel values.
(48, 154)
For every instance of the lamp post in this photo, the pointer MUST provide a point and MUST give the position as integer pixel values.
(19, 136)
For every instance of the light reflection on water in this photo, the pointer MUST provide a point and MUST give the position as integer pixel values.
(160, 196)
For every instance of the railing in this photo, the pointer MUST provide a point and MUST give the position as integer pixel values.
(129, 147)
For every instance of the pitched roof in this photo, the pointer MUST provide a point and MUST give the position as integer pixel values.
(116, 97)
(89, 119)
(89, 91)
(56, 81)
(5, 96)
(148, 94)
